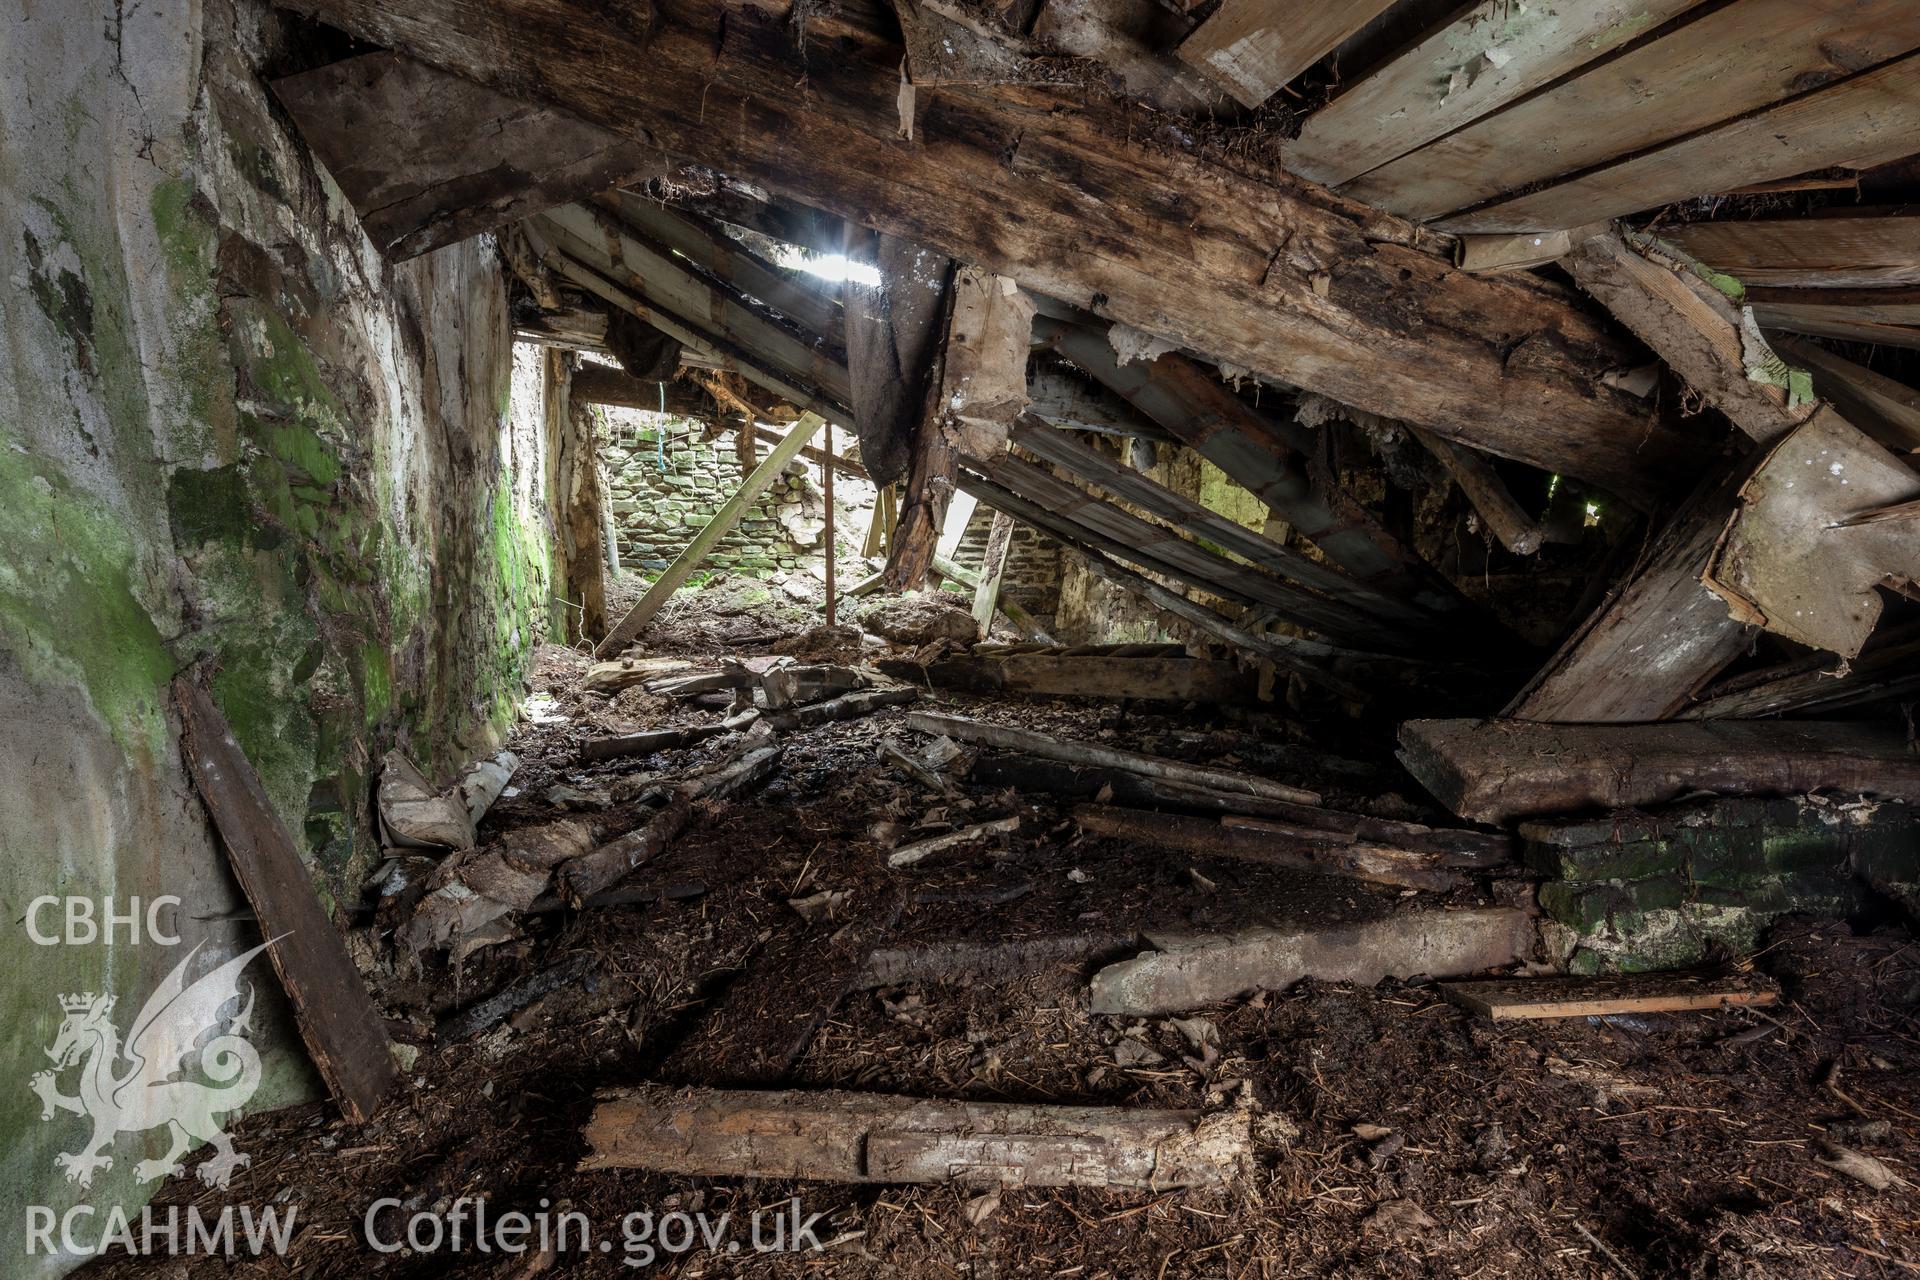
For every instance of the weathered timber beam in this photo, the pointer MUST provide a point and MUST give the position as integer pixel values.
(993, 568)
(854, 1137)
(1816, 253)
(1659, 637)
(1689, 323)
(1046, 187)
(1498, 770)
(1860, 121)
(703, 542)
(893, 342)
(698, 348)
(1067, 400)
(591, 235)
(1252, 47)
(1011, 738)
(1821, 682)
(1888, 411)
(427, 158)
(1395, 109)
(811, 308)
(1487, 493)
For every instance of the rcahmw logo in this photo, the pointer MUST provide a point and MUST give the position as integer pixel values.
(185, 1062)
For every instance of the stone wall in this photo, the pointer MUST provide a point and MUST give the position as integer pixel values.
(233, 440)
(667, 478)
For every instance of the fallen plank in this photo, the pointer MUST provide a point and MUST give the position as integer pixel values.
(1716, 65)
(848, 706)
(1821, 682)
(1000, 960)
(1599, 997)
(624, 673)
(1272, 843)
(853, 1137)
(1016, 179)
(1835, 322)
(908, 855)
(337, 1019)
(1450, 847)
(993, 568)
(648, 741)
(1370, 606)
(1187, 970)
(515, 996)
(582, 877)
(735, 777)
(1252, 47)
(1498, 770)
(1864, 120)
(1010, 739)
(1812, 253)
(1049, 676)
(723, 520)
(1479, 62)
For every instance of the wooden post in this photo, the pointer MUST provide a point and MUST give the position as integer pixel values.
(826, 482)
(993, 567)
(723, 520)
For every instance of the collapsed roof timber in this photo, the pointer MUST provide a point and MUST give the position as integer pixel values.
(1106, 587)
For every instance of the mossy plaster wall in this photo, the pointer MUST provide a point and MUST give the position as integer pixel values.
(230, 435)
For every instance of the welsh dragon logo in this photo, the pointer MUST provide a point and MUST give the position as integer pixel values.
(133, 1088)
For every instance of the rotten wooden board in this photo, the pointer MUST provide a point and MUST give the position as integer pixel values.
(1867, 119)
(1272, 843)
(1815, 253)
(1482, 60)
(427, 158)
(1791, 562)
(853, 1137)
(1091, 676)
(1252, 47)
(337, 1019)
(1704, 70)
(1498, 770)
(1276, 280)
(1600, 997)
(1008, 738)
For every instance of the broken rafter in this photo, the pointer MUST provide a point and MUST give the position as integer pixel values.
(1281, 281)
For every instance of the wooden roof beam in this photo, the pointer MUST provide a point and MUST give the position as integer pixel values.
(1046, 187)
